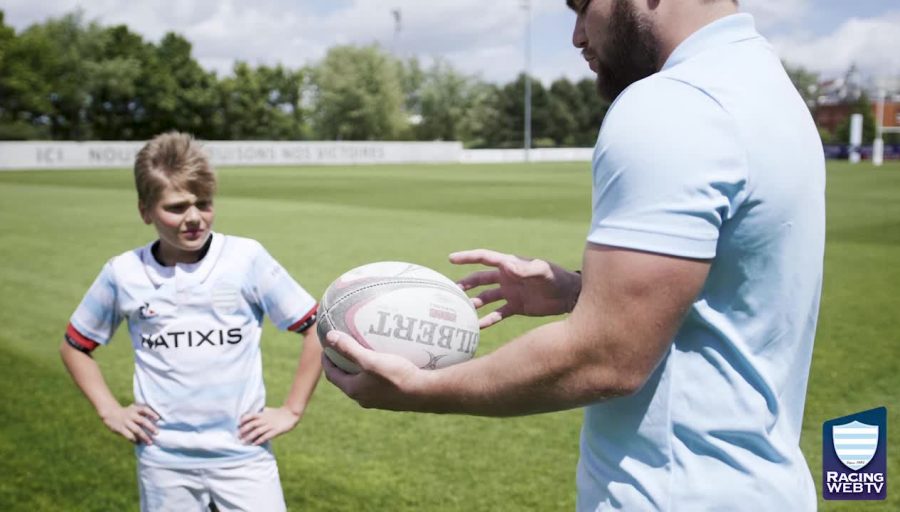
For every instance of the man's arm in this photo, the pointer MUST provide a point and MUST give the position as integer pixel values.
(271, 422)
(135, 422)
(630, 307)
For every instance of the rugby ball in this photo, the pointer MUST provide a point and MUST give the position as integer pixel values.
(400, 308)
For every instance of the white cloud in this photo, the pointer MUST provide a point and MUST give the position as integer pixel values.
(870, 43)
(770, 13)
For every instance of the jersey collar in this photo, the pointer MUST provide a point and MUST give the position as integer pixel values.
(187, 273)
(727, 30)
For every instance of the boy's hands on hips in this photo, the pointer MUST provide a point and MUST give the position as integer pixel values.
(260, 427)
(137, 423)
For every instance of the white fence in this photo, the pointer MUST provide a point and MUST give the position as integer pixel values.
(92, 155)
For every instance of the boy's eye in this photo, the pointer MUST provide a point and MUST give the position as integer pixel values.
(204, 205)
(177, 208)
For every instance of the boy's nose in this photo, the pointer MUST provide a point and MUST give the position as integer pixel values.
(192, 214)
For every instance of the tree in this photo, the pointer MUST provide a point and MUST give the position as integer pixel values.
(562, 116)
(478, 126)
(112, 86)
(358, 95)
(444, 100)
(23, 90)
(806, 83)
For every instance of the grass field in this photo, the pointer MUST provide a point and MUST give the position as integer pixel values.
(58, 228)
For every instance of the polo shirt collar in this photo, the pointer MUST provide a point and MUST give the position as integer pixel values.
(191, 273)
(727, 30)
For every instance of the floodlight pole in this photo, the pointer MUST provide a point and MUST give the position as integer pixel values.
(526, 143)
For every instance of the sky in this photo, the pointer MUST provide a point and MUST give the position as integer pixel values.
(482, 38)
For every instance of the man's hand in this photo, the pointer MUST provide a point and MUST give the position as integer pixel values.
(529, 286)
(385, 381)
(135, 422)
(260, 427)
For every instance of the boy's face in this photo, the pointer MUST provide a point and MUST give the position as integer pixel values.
(183, 222)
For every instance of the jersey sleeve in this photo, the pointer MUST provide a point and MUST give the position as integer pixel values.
(97, 316)
(288, 305)
(668, 171)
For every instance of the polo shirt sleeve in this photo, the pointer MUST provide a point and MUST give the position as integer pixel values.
(668, 171)
(96, 318)
(289, 305)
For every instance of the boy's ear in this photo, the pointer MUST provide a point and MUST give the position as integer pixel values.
(145, 213)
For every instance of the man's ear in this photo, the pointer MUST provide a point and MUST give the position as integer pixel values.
(145, 213)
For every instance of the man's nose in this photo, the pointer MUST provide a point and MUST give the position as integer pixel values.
(579, 40)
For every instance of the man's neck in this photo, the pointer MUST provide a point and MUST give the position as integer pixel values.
(676, 21)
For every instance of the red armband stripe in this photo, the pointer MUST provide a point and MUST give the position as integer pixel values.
(301, 324)
(79, 339)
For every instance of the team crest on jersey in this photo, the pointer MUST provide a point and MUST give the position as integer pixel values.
(146, 311)
(226, 297)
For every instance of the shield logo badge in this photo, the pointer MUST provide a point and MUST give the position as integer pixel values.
(855, 443)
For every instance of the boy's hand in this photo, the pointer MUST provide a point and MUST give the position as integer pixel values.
(262, 426)
(135, 422)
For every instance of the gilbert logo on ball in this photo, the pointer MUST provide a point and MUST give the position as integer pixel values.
(400, 308)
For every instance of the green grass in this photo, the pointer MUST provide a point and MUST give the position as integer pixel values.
(58, 228)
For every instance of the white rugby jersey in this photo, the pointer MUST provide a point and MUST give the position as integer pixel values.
(195, 329)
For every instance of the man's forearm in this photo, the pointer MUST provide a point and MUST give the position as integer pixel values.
(546, 369)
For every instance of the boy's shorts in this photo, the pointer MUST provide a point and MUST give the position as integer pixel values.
(251, 486)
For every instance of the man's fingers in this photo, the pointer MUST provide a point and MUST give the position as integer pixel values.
(487, 297)
(349, 348)
(481, 278)
(334, 374)
(483, 256)
(494, 317)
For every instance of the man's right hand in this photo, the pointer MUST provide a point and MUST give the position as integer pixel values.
(135, 422)
(529, 286)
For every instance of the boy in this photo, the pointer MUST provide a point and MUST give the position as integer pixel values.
(194, 301)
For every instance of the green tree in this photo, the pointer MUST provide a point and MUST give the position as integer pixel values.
(591, 113)
(358, 95)
(477, 127)
(806, 82)
(24, 93)
(113, 79)
(43, 78)
(73, 47)
(562, 116)
(262, 103)
(177, 93)
(444, 101)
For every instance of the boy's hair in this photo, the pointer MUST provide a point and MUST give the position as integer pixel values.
(172, 158)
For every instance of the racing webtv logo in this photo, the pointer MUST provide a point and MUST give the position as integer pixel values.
(854, 456)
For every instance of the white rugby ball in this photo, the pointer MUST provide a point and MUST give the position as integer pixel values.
(400, 308)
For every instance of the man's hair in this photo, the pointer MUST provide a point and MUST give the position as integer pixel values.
(577, 5)
(176, 159)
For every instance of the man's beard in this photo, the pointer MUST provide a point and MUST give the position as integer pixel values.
(632, 51)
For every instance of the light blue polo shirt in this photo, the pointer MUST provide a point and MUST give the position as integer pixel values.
(714, 157)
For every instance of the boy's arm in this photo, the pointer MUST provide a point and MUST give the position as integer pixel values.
(271, 422)
(135, 422)
(309, 369)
